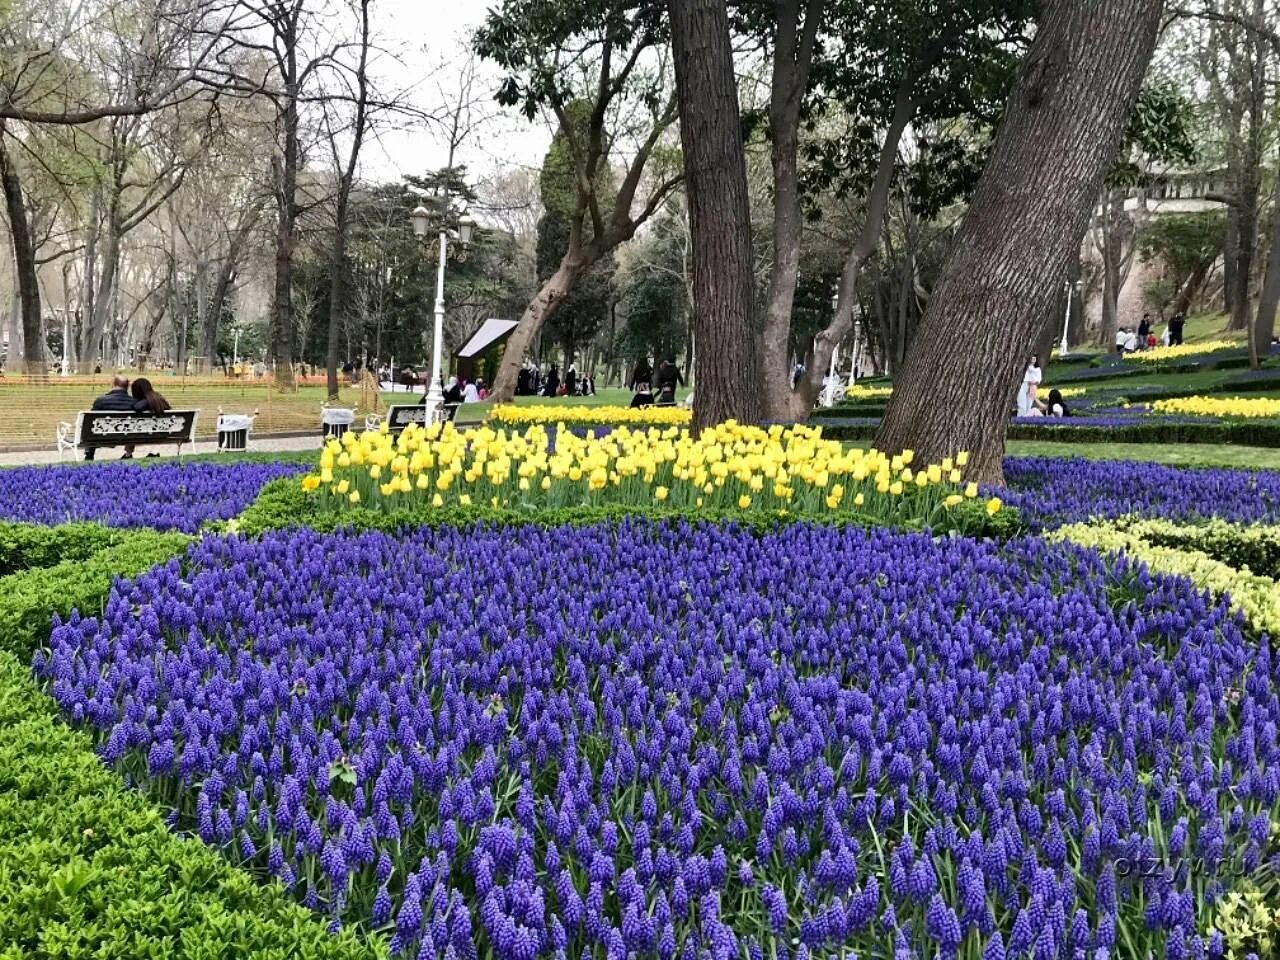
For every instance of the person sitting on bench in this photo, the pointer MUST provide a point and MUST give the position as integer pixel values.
(117, 400)
(146, 400)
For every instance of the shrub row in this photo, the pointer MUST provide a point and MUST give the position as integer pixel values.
(89, 869)
(1253, 434)
(26, 545)
(283, 504)
(1253, 549)
(30, 598)
(1257, 597)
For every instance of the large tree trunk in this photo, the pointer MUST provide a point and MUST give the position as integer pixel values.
(24, 257)
(547, 302)
(719, 214)
(96, 321)
(1061, 130)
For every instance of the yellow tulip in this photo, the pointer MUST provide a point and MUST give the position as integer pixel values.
(354, 496)
(954, 476)
(993, 506)
(744, 501)
(962, 459)
(310, 483)
(859, 500)
(660, 493)
(343, 486)
(437, 501)
(971, 490)
(952, 500)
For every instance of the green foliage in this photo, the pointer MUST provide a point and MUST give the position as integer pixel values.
(1184, 240)
(1160, 129)
(29, 599)
(957, 61)
(523, 37)
(653, 296)
(26, 545)
(89, 870)
(283, 504)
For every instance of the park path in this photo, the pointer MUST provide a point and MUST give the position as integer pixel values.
(256, 445)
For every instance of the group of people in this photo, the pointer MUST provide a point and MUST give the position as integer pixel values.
(644, 383)
(140, 397)
(463, 391)
(1029, 402)
(532, 382)
(1143, 337)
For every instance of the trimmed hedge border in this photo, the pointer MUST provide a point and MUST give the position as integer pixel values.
(1256, 434)
(283, 504)
(27, 545)
(30, 598)
(91, 871)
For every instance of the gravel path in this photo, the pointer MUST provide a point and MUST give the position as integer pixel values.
(256, 445)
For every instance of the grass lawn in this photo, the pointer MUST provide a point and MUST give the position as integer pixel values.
(30, 413)
(1183, 455)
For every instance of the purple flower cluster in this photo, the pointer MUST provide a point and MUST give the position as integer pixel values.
(165, 496)
(1112, 418)
(692, 741)
(1053, 491)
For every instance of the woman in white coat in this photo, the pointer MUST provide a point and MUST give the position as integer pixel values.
(1030, 385)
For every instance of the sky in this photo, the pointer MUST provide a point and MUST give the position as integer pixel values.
(428, 40)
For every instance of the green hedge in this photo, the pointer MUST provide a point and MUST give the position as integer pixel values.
(26, 545)
(30, 598)
(1255, 548)
(1243, 433)
(283, 504)
(88, 870)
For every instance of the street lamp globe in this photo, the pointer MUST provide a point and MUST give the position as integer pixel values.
(421, 218)
(466, 227)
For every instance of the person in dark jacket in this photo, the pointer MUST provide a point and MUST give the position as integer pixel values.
(552, 386)
(669, 378)
(116, 400)
(571, 381)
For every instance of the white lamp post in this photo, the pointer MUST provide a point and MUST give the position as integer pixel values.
(1066, 321)
(421, 222)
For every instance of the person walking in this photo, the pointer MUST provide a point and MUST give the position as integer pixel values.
(668, 379)
(641, 376)
(115, 400)
(571, 381)
(1176, 323)
(1030, 384)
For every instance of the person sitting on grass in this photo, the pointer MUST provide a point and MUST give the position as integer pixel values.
(1055, 407)
(116, 400)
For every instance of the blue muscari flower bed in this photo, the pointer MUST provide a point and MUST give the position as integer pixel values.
(692, 741)
(164, 496)
(1054, 491)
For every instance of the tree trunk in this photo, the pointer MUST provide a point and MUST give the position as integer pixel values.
(1063, 124)
(24, 257)
(96, 320)
(282, 325)
(548, 300)
(1230, 255)
(1265, 322)
(719, 214)
(1187, 292)
(864, 247)
(792, 58)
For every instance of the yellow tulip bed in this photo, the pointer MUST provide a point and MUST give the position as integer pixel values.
(729, 468)
(1230, 408)
(1181, 351)
(511, 414)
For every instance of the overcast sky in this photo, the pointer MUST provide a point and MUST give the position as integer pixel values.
(429, 37)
